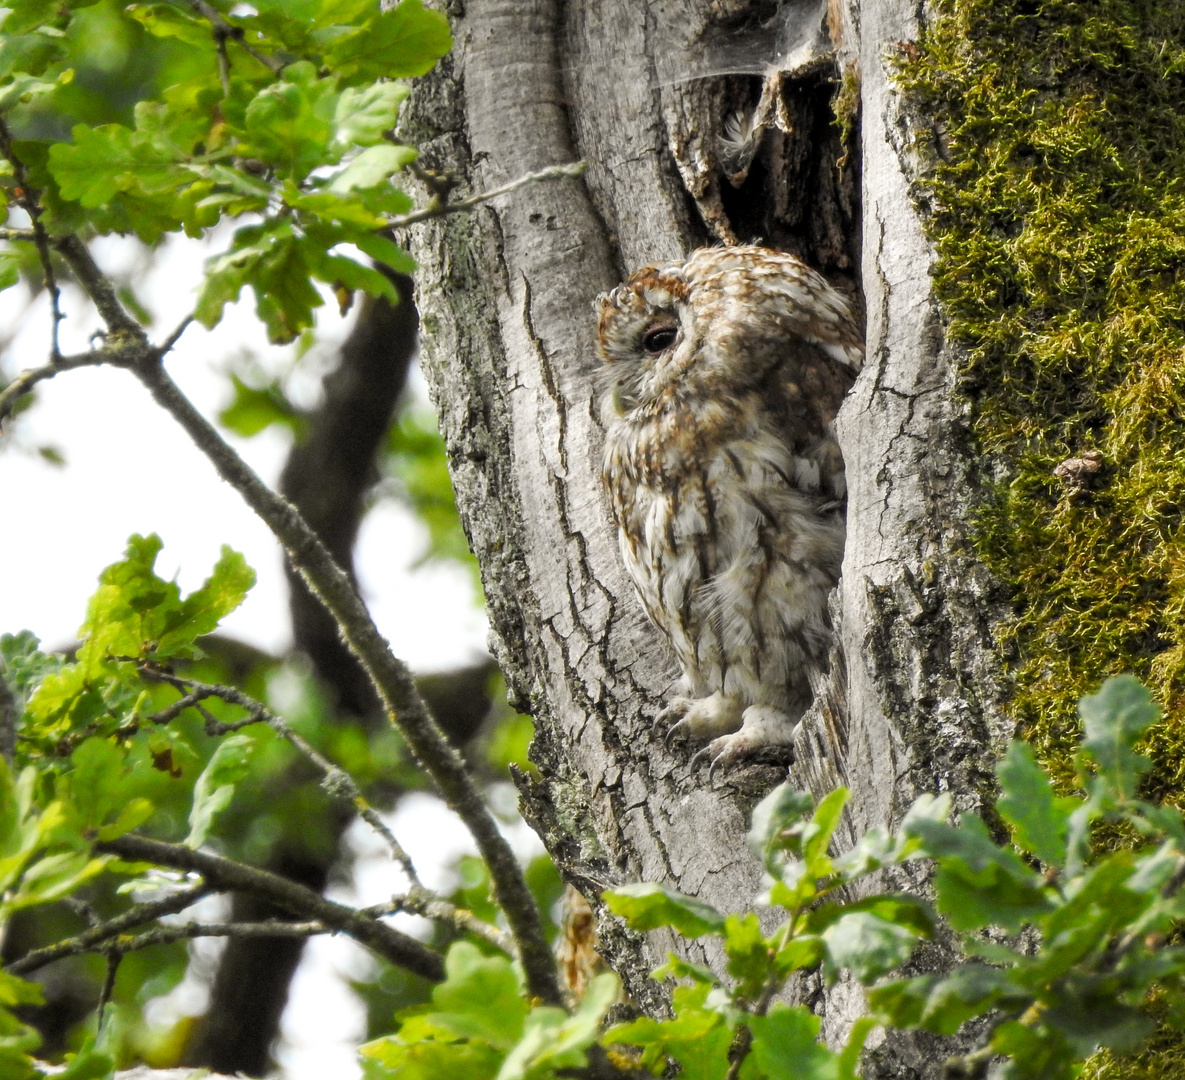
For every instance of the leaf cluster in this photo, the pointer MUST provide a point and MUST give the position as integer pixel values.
(480, 1025)
(1064, 947)
(282, 118)
(103, 748)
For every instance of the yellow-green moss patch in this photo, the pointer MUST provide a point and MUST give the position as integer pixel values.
(1057, 190)
(1058, 213)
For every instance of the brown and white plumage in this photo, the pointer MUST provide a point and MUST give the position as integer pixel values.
(723, 374)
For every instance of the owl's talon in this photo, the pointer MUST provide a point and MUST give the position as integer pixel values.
(699, 756)
(712, 772)
(673, 718)
(718, 757)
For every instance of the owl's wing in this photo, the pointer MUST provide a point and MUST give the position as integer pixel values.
(801, 397)
(824, 317)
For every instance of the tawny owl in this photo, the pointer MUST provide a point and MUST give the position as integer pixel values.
(723, 374)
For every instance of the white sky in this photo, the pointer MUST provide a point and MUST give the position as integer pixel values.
(129, 468)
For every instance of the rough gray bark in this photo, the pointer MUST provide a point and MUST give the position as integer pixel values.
(505, 296)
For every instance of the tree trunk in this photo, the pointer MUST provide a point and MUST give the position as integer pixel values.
(643, 94)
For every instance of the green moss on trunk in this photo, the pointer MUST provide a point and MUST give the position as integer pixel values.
(1056, 186)
(1058, 193)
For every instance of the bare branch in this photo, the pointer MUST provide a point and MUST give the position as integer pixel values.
(423, 902)
(167, 935)
(115, 943)
(111, 939)
(93, 281)
(120, 325)
(26, 380)
(337, 781)
(227, 875)
(95, 935)
(114, 956)
(391, 677)
(553, 172)
(29, 201)
(168, 344)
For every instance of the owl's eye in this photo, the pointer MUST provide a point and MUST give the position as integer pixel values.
(659, 338)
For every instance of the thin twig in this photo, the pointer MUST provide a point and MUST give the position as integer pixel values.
(337, 781)
(114, 956)
(120, 945)
(224, 30)
(120, 325)
(8, 719)
(168, 344)
(28, 200)
(391, 678)
(111, 939)
(422, 902)
(170, 713)
(26, 380)
(89, 938)
(167, 935)
(554, 172)
(223, 61)
(81, 907)
(230, 876)
(744, 1039)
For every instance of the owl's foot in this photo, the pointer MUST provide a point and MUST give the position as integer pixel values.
(700, 718)
(763, 728)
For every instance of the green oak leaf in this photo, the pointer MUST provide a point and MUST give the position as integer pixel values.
(167, 21)
(365, 114)
(978, 882)
(374, 166)
(289, 123)
(1113, 720)
(867, 945)
(215, 788)
(647, 906)
(941, 1003)
(1027, 802)
(400, 43)
(786, 1044)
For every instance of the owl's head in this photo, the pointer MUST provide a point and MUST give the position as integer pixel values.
(727, 313)
(645, 336)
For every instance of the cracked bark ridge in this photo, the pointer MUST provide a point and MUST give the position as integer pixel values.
(504, 297)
